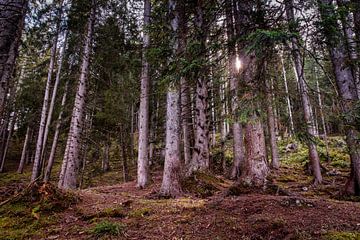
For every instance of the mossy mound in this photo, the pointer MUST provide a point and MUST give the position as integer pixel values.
(34, 208)
(203, 185)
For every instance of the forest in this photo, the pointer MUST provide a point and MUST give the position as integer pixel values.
(180, 119)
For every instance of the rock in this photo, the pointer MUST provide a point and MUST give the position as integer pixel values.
(292, 147)
(304, 189)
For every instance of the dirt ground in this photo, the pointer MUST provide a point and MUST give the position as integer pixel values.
(248, 216)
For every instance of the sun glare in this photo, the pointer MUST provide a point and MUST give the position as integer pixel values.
(238, 63)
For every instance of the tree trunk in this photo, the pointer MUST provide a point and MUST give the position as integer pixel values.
(51, 159)
(347, 90)
(71, 161)
(53, 98)
(356, 12)
(350, 39)
(143, 153)
(7, 144)
(12, 14)
(323, 123)
(201, 153)
(271, 126)
(238, 145)
(39, 143)
(106, 158)
(313, 154)
(255, 168)
(23, 153)
(292, 129)
(170, 186)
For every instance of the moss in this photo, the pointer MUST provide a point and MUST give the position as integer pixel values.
(203, 184)
(107, 228)
(117, 212)
(141, 212)
(342, 236)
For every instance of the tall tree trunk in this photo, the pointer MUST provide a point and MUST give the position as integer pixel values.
(106, 158)
(143, 153)
(171, 178)
(323, 123)
(201, 154)
(238, 145)
(39, 143)
(25, 148)
(347, 90)
(12, 14)
(271, 126)
(313, 154)
(53, 98)
(347, 21)
(356, 13)
(255, 168)
(7, 144)
(292, 129)
(71, 161)
(51, 159)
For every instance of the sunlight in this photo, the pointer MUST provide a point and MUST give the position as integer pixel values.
(238, 64)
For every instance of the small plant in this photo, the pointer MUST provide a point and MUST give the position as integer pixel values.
(107, 228)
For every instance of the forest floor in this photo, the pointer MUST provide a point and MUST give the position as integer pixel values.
(293, 210)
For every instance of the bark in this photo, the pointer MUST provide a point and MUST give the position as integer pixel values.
(171, 177)
(201, 153)
(238, 145)
(255, 168)
(271, 126)
(51, 159)
(124, 157)
(356, 13)
(310, 128)
(39, 143)
(71, 161)
(186, 120)
(53, 98)
(348, 93)
(25, 148)
(323, 123)
(143, 153)
(223, 128)
(106, 158)
(7, 144)
(12, 14)
(292, 129)
(347, 21)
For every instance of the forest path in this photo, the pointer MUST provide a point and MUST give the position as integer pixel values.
(138, 215)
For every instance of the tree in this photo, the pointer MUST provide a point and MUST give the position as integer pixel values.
(143, 153)
(171, 186)
(346, 86)
(255, 169)
(238, 145)
(201, 153)
(71, 161)
(38, 163)
(12, 14)
(309, 118)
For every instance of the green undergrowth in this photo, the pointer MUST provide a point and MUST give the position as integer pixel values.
(342, 236)
(337, 156)
(104, 228)
(25, 218)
